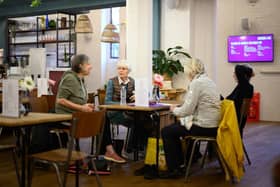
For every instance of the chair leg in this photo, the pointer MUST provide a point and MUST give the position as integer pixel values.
(204, 156)
(16, 165)
(96, 174)
(246, 154)
(222, 162)
(77, 163)
(58, 174)
(190, 160)
(59, 139)
(30, 172)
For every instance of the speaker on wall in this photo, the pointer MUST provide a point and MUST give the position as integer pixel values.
(173, 4)
(245, 24)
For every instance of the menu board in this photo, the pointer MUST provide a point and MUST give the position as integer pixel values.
(10, 98)
(250, 48)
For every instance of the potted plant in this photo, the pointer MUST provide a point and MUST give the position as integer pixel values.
(168, 63)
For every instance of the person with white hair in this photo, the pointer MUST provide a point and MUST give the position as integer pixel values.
(113, 96)
(200, 115)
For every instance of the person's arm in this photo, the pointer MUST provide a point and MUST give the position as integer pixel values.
(109, 93)
(77, 107)
(190, 103)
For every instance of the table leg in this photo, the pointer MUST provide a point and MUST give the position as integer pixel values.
(25, 139)
(23, 155)
(156, 121)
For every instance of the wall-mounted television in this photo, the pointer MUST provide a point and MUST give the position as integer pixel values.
(251, 48)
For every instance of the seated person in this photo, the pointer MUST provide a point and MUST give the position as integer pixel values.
(113, 95)
(125, 118)
(72, 96)
(202, 101)
(243, 89)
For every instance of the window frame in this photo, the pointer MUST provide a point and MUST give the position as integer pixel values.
(112, 55)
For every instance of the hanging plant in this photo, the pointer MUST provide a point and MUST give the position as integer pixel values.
(34, 3)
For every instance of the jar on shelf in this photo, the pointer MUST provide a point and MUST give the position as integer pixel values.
(63, 22)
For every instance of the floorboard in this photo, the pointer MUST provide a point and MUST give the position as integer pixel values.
(261, 139)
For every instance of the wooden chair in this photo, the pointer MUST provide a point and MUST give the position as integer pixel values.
(45, 104)
(243, 117)
(84, 125)
(101, 96)
(11, 148)
(39, 104)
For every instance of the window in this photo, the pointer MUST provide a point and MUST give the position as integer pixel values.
(115, 19)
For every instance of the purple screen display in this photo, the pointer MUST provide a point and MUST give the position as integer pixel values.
(250, 48)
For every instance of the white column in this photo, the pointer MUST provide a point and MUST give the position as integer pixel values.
(139, 40)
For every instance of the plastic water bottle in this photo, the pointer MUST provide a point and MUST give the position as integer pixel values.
(123, 95)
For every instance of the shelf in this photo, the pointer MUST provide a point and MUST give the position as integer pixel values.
(18, 55)
(44, 42)
(26, 55)
(43, 30)
(270, 71)
(24, 43)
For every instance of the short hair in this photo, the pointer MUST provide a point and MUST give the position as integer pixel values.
(78, 60)
(123, 63)
(194, 67)
(243, 72)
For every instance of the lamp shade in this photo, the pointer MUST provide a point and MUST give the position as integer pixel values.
(83, 25)
(110, 35)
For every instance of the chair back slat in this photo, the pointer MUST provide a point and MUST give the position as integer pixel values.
(51, 99)
(39, 104)
(244, 108)
(88, 124)
(101, 96)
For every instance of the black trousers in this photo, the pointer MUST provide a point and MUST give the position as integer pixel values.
(172, 143)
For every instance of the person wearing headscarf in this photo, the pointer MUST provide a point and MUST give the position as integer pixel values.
(244, 89)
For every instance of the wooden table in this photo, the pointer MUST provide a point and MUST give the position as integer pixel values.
(159, 113)
(24, 124)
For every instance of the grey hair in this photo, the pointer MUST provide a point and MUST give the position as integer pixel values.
(195, 67)
(123, 63)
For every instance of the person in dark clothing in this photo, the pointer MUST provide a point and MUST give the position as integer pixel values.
(243, 89)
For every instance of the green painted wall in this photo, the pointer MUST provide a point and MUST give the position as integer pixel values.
(156, 23)
(3, 30)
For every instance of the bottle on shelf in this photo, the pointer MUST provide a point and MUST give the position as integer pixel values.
(47, 21)
(65, 54)
(123, 95)
(42, 22)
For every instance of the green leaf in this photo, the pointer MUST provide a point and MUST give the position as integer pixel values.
(163, 63)
(35, 3)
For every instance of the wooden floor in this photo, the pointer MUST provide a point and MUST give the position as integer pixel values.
(262, 141)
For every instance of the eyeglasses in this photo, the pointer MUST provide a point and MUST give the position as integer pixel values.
(122, 68)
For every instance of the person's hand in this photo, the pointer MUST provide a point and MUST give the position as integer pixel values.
(132, 98)
(172, 107)
(88, 107)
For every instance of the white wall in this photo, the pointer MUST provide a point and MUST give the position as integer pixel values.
(265, 19)
(98, 52)
(90, 45)
(210, 23)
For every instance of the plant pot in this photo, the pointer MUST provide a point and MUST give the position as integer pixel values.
(166, 77)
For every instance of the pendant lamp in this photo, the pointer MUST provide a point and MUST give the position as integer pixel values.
(83, 25)
(109, 34)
